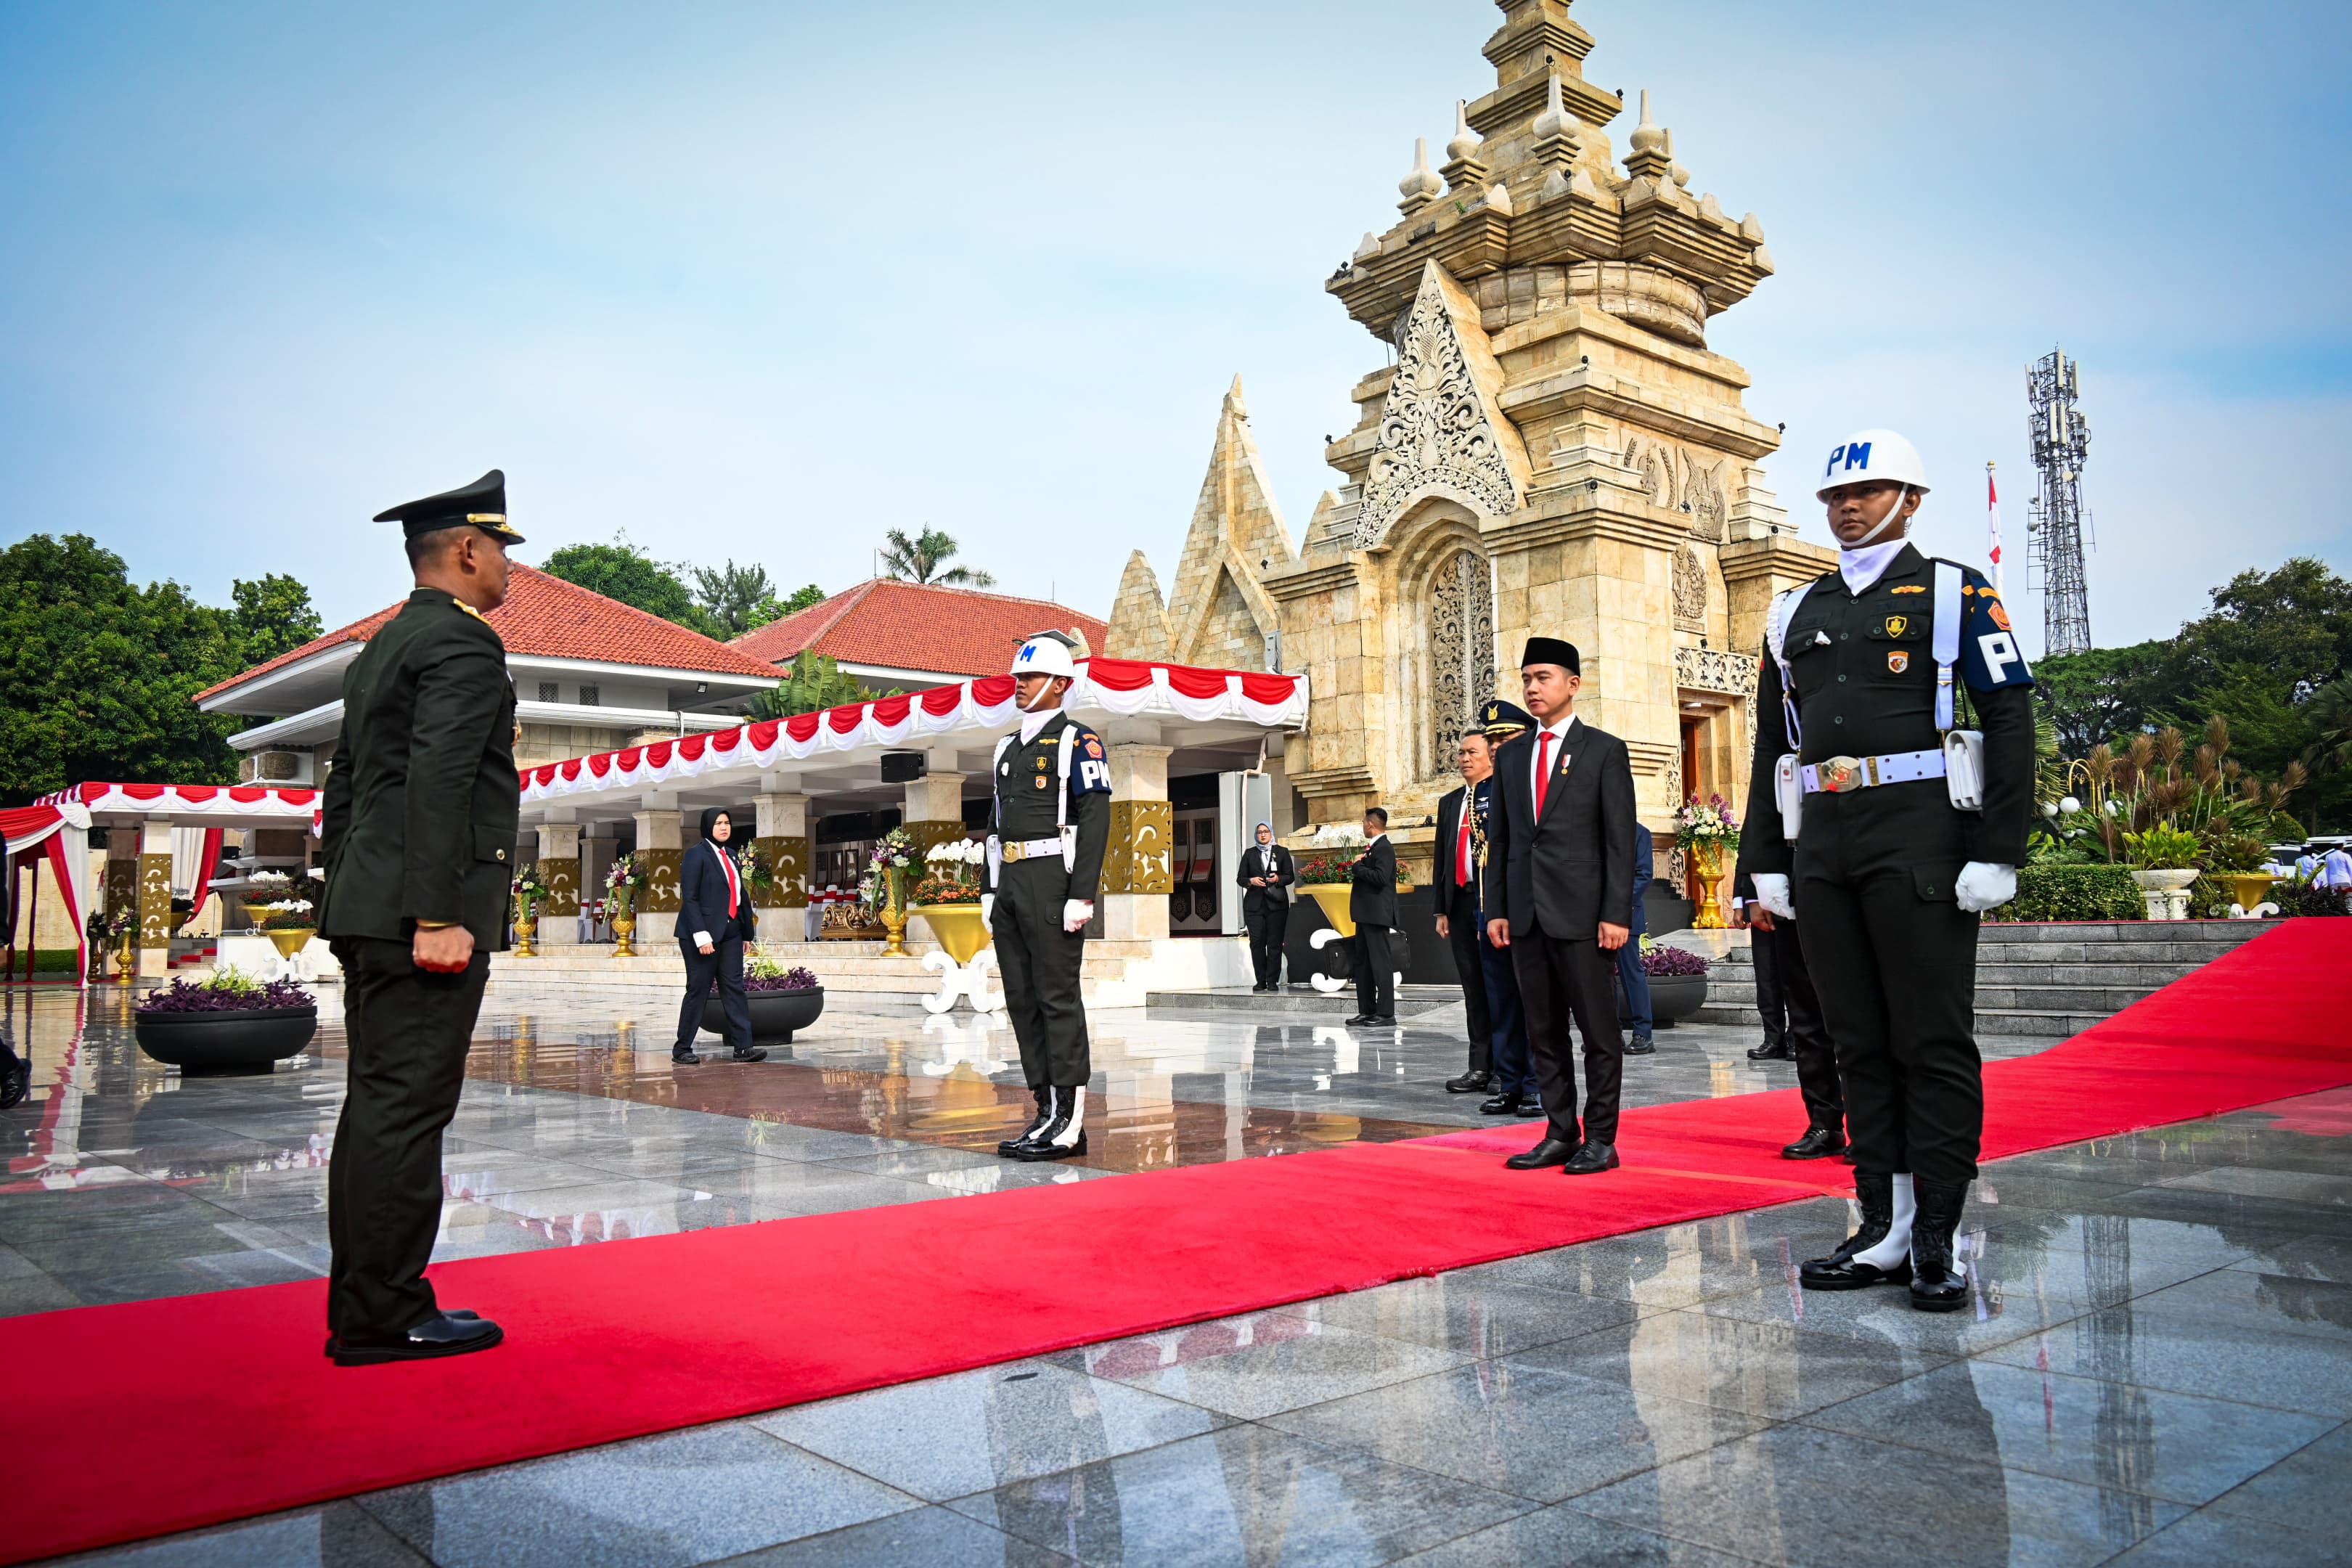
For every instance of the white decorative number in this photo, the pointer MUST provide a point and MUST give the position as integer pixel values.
(2000, 651)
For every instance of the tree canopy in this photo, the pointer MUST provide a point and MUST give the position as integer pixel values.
(97, 675)
(924, 559)
(622, 570)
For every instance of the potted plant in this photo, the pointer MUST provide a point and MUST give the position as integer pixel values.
(1327, 878)
(117, 934)
(230, 1024)
(948, 895)
(621, 880)
(886, 887)
(1706, 832)
(2164, 863)
(263, 889)
(1678, 982)
(782, 999)
(288, 924)
(528, 891)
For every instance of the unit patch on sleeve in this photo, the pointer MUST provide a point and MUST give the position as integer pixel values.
(1896, 663)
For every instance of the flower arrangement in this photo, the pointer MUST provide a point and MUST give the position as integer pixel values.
(621, 880)
(1707, 823)
(1658, 959)
(1327, 869)
(263, 885)
(893, 857)
(103, 929)
(287, 914)
(759, 872)
(528, 891)
(229, 991)
(761, 973)
(953, 875)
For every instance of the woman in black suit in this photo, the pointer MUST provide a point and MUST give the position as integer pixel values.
(714, 921)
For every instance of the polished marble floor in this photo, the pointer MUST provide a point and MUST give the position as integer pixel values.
(2157, 1366)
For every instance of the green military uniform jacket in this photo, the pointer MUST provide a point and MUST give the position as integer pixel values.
(424, 803)
(1865, 686)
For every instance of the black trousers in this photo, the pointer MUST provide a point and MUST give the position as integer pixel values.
(1375, 973)
(1897, 985)
(406, 1030)
(1462, 933)
(1040, 962)
(1269, 922)
(724, 963)
(1557, 979)
(1792, 1012)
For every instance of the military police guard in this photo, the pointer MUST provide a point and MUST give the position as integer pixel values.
(1045, 844)
(1898, 828)
(418, 832)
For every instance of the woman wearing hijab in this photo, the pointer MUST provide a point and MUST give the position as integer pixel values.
(714, 921)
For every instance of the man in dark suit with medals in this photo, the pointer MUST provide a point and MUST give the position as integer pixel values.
(1266, 879)
(1371, 905)
(418, 832)
(1046, 846)
(1490, 994)
(1559, 896)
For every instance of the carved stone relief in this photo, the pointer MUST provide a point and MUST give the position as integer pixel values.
(1433, 430)
(1461, 651)
(1714, 670)
(1676, 479)
(1690, 589)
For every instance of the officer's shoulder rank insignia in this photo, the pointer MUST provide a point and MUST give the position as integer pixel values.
(470, 609)
(1897, 662)
(1909, 588)
(2000, 614)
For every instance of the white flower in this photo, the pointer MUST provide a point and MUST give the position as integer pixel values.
(2070, 806)
(2115, 809)
(975, 853)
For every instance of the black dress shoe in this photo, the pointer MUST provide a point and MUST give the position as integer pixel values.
(1551, 1151)
(1028, 1134)
(438, 1335)
(1529, 1105)
(1500, 1105)
(1818, 1143)
(1045, 1149)
(1939, 1284)
(749, 1054)
(1772, 1051)
(1385, 1021)
(686, 1059)
(1471, 1082)
(1641, 1045)
(16, 1084)
(1361, 1019)
(446, 1311)
(1874, 1192)
(1591, 1159)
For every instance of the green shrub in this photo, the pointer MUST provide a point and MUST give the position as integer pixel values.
(2304, 899)
(2073, 893)
(2209, 898)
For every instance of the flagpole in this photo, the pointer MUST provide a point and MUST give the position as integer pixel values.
(1992, 530)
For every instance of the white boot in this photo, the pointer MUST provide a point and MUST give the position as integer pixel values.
(1897, 1248)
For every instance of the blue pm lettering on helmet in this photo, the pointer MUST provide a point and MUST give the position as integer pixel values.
(1028, 651)
(1856, 456)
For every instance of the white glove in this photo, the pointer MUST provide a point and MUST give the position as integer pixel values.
(1772, 892)
(1985, 885)
(988, 910)
(1075, 913)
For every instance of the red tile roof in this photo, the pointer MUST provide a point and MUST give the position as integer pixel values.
(549, 618)
(917, 625)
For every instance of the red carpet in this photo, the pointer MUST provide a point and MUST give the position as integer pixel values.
(194, 1409)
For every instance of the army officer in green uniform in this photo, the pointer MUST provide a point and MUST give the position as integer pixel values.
(418, 835)
(1045, 844)
(1905, 825)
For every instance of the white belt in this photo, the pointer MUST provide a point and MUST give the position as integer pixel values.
(1840, 775)
(1031, 848)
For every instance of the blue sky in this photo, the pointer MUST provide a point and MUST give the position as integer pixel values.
(760, 281)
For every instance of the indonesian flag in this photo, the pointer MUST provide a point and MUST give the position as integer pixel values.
(1992, 530)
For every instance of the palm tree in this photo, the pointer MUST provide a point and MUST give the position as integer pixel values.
(920, 560)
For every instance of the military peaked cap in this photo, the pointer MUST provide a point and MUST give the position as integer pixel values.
(1504, 720)
(482, 504)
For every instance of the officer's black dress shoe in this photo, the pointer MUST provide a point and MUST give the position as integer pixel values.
(1591, 1159)
(438, 1335)
(1641, 1045)
(749, 1054)
(1818, 1143)
(686, 1059)
(1938, 1282)
(1551, 1151)
(1500, 1105)
(1471, 1082)
(446, 1311)
(1385, 1021)
(1772, 1051)
(1361, 1019)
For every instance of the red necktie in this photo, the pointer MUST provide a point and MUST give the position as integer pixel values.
(1543, 769)
(732, 887)
(1462, 850)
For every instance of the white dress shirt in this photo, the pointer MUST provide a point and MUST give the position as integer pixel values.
(1544, 757)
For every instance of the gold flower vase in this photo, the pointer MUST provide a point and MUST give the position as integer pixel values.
(624, 926)
(526, 927)
(1707, 860)
(894, 921)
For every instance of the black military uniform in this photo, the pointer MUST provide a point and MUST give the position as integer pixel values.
(1032, 878)
(1873, 869)
(418, 828)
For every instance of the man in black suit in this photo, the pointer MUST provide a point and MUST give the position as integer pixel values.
(714, 921)
(418, 831)
(1559, 895)
(1265, 879)
(1371, 904)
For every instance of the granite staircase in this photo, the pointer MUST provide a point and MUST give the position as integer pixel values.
(2045, 981)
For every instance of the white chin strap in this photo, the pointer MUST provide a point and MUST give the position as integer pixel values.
(1893, 515)
(1044, 703)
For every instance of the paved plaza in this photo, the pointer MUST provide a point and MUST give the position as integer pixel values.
(2157, 1366)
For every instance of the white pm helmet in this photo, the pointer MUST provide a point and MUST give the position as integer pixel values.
(1048, 653)
(1868, 455)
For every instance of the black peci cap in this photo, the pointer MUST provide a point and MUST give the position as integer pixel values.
(482, 504)
(1551, 650)
(1504, 720)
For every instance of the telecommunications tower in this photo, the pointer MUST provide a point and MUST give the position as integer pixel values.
(2055, 521)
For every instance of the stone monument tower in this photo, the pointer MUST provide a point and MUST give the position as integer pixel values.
(1554, 449)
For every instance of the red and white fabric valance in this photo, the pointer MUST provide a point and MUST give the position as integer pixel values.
(202, 800)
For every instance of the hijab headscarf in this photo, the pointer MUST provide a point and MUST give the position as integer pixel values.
(710, 815)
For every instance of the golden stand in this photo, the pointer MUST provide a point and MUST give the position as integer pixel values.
(624, 926)
(1707, 860)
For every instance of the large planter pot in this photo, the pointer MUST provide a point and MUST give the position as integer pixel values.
(2165, 893)
(1333, 896)
(957, 928)
(1674, 997)
(2249, 890)
(774, 1013)
(226, 1043)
